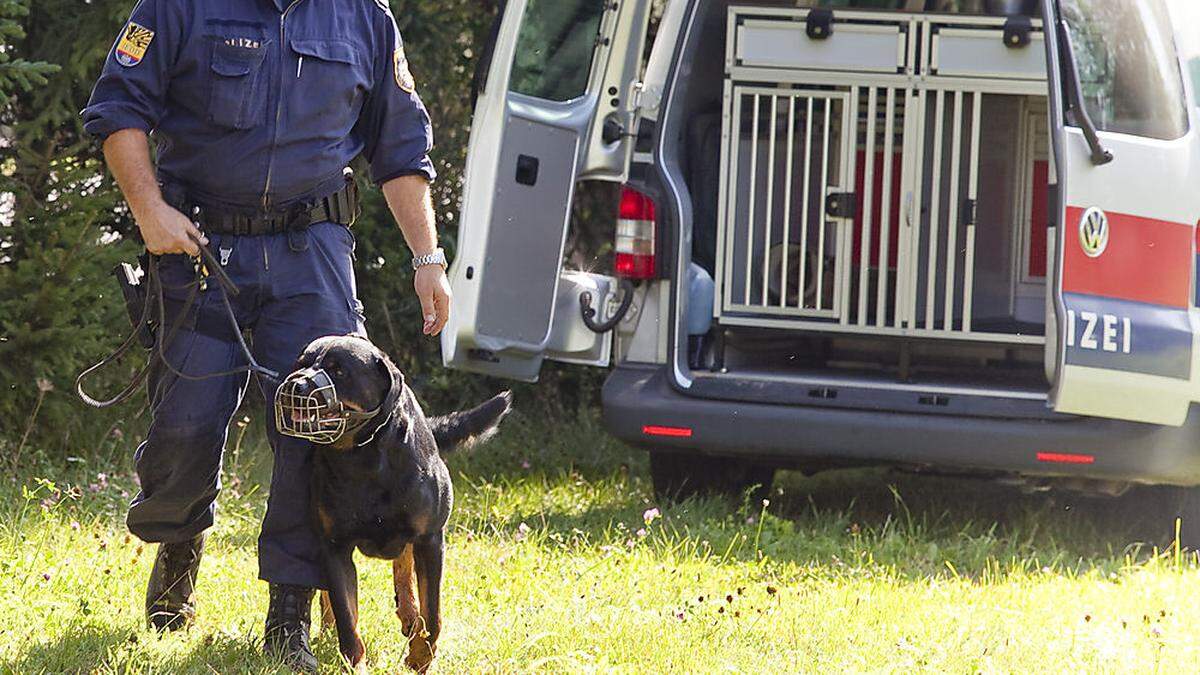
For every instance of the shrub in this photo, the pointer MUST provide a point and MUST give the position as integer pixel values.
(63, 224)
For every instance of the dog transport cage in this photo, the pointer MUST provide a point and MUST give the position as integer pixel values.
(886, 174)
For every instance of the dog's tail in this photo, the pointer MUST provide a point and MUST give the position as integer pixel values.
(461, 430)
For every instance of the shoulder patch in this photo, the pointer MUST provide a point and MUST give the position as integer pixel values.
(404, 76)
(131, 49)
(400, 68)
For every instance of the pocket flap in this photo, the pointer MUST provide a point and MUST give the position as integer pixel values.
(230, 61)
(326, 50)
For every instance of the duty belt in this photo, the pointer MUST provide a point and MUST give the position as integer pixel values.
(340, 207)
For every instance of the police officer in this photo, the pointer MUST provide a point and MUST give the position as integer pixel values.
(256, 108)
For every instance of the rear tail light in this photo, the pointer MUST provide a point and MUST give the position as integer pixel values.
(672, 432)
(635, 236)
(1065, 458)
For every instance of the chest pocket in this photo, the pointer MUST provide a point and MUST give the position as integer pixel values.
(238, 95)
(336, 68)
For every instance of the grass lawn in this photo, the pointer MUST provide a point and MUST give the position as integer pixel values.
(552, 566)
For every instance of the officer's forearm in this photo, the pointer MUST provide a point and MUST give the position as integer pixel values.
(164, 230)
(128, 155)
(412, 206)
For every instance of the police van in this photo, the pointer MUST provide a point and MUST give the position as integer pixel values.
(954, 235)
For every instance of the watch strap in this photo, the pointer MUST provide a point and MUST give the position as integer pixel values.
(437, 257)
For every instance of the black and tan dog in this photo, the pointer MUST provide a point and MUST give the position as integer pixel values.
(380, 486)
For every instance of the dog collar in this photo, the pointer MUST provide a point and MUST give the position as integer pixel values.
(376, 430)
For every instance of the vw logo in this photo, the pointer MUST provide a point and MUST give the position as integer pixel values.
(1093, 232)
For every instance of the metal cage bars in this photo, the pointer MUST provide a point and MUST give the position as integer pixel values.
(783, 258)
(780, 253)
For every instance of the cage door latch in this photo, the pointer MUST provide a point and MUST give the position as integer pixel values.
(840, 204)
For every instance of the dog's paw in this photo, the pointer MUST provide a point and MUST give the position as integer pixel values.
(420, 654)
(409, 618)
(355, 655)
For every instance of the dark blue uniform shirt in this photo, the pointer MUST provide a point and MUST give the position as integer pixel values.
(262, 103)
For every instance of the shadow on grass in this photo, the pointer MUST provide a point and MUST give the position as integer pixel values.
(562, 475)
(1084, 526)
(116, 650)
(915, 524)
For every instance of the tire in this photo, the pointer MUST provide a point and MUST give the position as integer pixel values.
(677, 476)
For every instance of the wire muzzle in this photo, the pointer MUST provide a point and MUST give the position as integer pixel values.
(307, 406)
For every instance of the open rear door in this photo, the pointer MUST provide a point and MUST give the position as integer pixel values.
(1126, 160)
(553, 110)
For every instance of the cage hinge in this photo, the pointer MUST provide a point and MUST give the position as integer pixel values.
(1016, 31)
(968, 212)
(818, 25)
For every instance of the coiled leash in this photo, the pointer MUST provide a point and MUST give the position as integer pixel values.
(154, 314)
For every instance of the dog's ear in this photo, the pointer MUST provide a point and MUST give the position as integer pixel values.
(392, 375)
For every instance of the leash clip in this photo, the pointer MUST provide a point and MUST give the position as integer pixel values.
(201, 270)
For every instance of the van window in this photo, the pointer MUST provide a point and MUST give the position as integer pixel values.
(555, 47)
(1128, 66)
(1194, 72)
(1187, 13)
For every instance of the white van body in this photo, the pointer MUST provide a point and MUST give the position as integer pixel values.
(958, 240)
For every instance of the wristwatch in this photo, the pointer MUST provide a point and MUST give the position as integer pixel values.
(438, 257)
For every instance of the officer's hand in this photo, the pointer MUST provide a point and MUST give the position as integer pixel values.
(434, 291)
(166, 230)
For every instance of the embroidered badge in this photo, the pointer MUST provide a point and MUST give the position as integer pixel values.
(244, 43)
(404, 76)
(133, 45)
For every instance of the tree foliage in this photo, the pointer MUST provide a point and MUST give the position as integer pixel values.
(64, 226)
(17, 74)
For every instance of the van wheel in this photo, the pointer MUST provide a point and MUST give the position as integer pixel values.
(679, 475)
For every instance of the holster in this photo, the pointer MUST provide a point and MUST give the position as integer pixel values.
(129, 278)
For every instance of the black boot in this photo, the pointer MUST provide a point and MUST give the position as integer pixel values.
(169, 602)
(288, 619)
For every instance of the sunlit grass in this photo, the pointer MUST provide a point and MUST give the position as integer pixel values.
(557, 561)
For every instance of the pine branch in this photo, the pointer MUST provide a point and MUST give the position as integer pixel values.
(17, 75)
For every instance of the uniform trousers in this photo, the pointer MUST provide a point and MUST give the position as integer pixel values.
(295, 287)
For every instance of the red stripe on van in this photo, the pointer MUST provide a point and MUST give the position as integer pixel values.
(1146, 260)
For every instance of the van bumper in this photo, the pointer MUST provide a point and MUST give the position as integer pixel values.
(638, 396)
